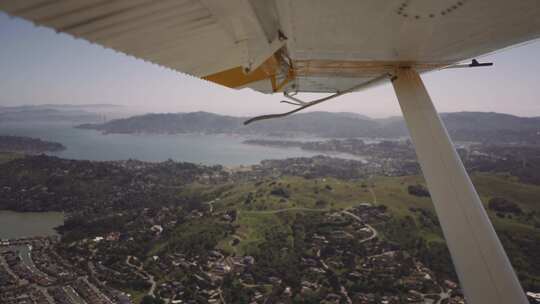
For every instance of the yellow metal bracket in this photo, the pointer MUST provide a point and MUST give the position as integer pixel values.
(268, 70)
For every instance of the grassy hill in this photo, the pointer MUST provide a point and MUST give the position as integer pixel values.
(262, 206)
(246, 217)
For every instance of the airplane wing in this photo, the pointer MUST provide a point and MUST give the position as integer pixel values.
(335, 46)
(291, 45)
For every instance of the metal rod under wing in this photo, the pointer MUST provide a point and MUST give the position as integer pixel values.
(305, 105)
(483, 268)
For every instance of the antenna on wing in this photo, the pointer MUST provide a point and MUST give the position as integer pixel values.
(474, 64)
(306, 104)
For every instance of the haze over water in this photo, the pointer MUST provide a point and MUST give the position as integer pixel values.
(212, 149)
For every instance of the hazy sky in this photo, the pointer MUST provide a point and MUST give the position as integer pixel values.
(39, 66)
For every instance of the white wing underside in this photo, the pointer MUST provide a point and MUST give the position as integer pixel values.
(291, 45)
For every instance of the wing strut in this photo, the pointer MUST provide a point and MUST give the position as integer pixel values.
(483, 268)
(304, 105)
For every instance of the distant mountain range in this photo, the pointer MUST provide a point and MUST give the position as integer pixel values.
(322, 124)
(60, 107)
(486, 127)
(464, 126)
(55, 113)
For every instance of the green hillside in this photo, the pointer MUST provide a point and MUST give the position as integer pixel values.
(272, 205)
